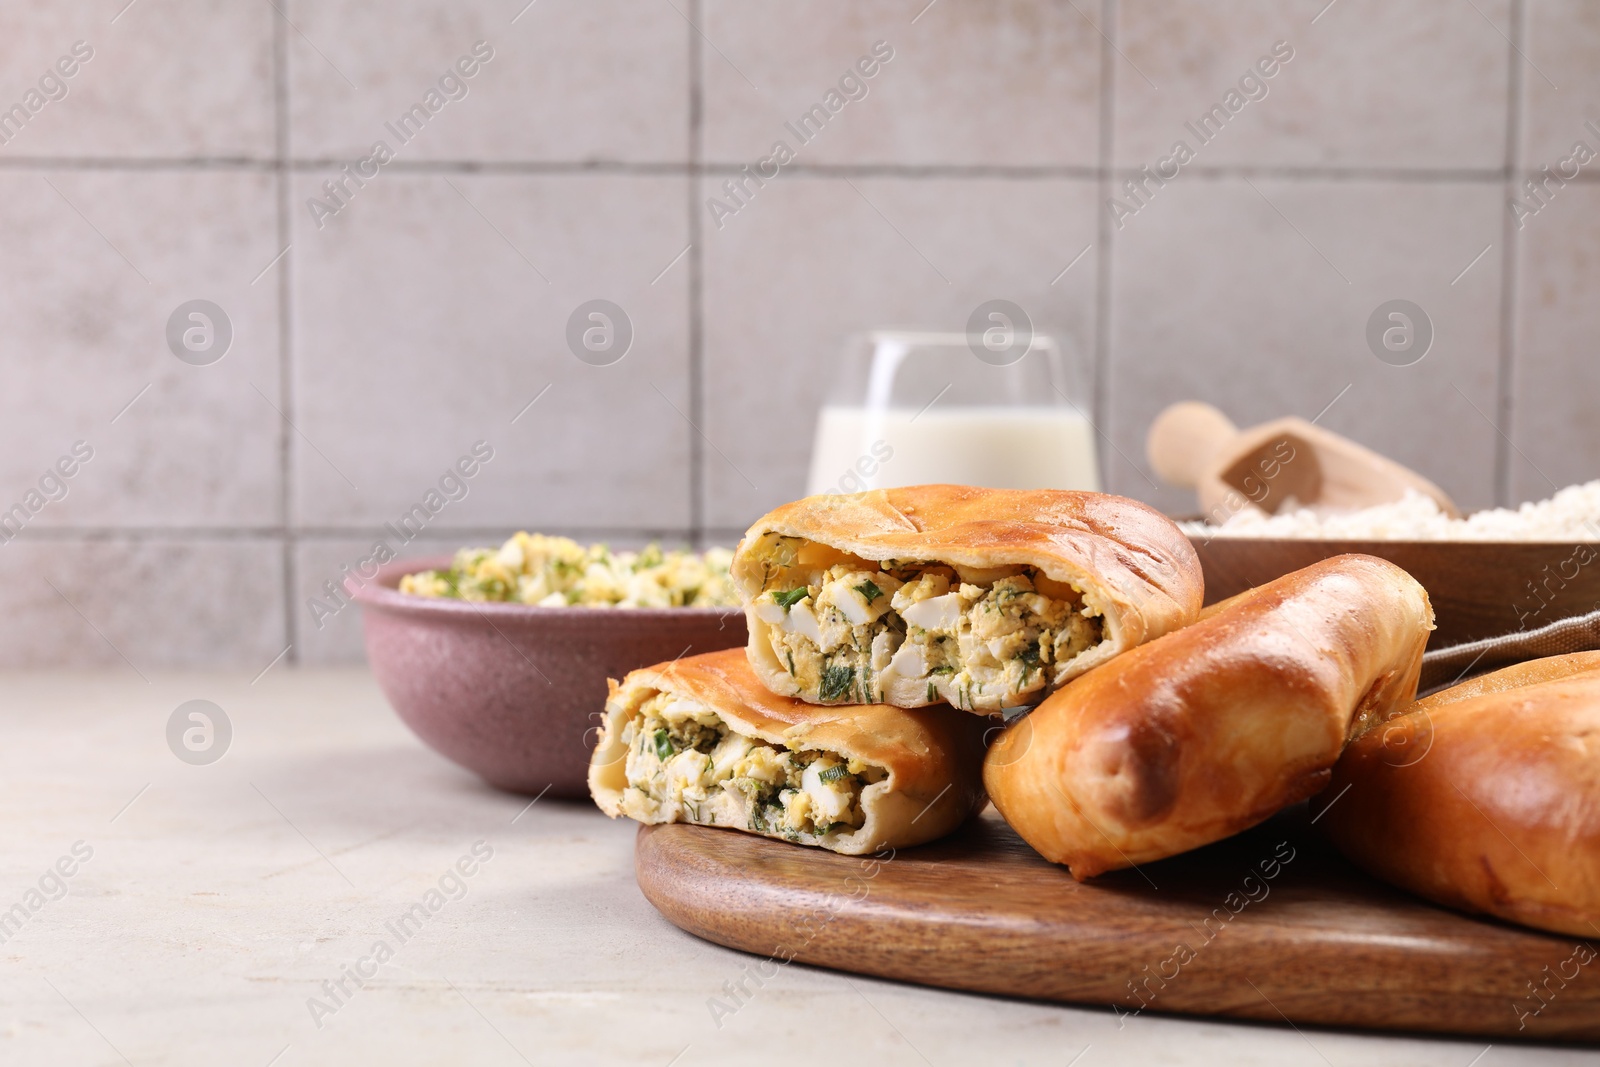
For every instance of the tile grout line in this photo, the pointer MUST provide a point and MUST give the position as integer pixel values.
(281, 168)
(1100, 402)
(1505, 369)
(930, 171)
(696, 294)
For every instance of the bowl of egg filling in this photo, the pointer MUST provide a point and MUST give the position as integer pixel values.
(498, 658)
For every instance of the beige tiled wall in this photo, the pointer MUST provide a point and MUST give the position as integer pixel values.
(372, 349)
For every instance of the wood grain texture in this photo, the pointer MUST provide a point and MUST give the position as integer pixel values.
(1314, 941)
(1478, 589)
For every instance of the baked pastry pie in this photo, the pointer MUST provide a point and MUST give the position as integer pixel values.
(1486, 796)
(1206, 731)
(982, 598)
(701, 740)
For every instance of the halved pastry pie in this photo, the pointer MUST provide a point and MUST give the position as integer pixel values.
(701, 740)
(982, 598)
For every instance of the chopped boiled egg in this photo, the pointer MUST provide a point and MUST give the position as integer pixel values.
(883, 648)
(830, 798)
(936, 613)
(910, 661)
(803, 621)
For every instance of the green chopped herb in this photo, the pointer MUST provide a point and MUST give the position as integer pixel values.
(869, 590)
(791, 664)
(790, 598)
(930, 692)
(943, 668)
(763, 789)
(664, 749)
(834, 773)
(836, 682)
(1029, 658)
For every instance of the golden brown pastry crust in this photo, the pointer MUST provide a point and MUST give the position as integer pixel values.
(1485, 797)
(934, 755)
(1132, 563)
(1209, 730)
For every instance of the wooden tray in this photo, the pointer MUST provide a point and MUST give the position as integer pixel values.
(1314, 942)
(1478, 588)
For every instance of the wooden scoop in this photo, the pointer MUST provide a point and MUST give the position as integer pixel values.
(1193, 445)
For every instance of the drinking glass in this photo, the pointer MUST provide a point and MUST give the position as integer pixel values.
(991, 407)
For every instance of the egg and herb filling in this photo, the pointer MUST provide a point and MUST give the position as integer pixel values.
(559, 572)
(846, 629)
(685, 765)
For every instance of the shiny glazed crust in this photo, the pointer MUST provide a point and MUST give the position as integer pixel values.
(934, 755)
(1132, 564)
(1209, 730)
(1485, 797)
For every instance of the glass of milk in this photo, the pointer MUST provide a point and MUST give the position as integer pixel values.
(910, 408)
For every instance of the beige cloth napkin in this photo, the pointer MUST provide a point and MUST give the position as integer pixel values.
(1446, 666)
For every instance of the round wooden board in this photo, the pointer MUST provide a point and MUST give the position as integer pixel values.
(1270, 925)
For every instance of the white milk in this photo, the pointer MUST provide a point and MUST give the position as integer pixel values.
(998, 447)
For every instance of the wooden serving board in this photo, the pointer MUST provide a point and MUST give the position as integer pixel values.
(1270, 925)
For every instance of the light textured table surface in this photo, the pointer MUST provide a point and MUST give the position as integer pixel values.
(218, 899)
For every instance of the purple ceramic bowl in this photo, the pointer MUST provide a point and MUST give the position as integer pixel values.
(514, 692)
